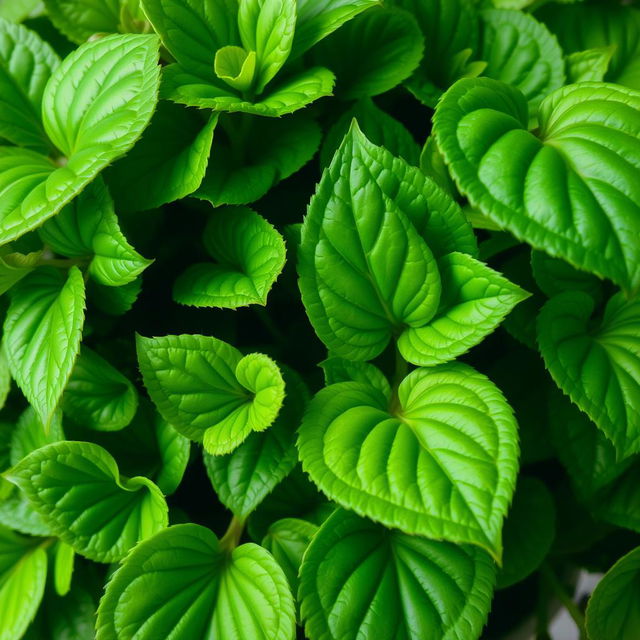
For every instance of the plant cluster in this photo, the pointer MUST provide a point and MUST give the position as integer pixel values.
(410, 413)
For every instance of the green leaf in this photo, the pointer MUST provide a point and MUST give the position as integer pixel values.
(439, 460)
(26, 63)
(319, 18)
(372, 53)
(81, 19)
(597, 364)
(168, 163)
(619, 502)
(612, 611)
(17, 10)
(29, 434)
(287, 540)
(42, 333)
(250, 255)
(596, 26)
(77, 489)
(528, 532)
(5, 385)
(114, 301)
(266, 27)
(433, 166)
(23, 573)
(475, 299)
(97, 395)
(242, 170)
(246, 476)
(590, 65)
(555, 276)
(571, 191)
(342, 370)
(63, 568)
(378, 126)
(522, 52)
(15, 266)
(17, 513)
(236, 67)
(207, 391)
(365, 272)
(241, 594)
(360, 580)
(93, 113)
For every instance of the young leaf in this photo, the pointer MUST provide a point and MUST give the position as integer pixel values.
(93, 113)
(241, 594)
(475, 299)
(287, 540)
(97, 395)
(244, 478)
(207, 391)
(77, 488)
(597, 367)
(365, 272)
(360, 580)
(63, 568)
(236, 67)
(15, 266)
(242, 170)
(81, 19)
(42, 333)
(166, 164)
(528, 531)
(342, 370)
(577, 176)
(89, 227)
(319, 18)
(250, 256)
(520, 51)
(26, 63)
(440, 460)
(23, 573)
(266, 27)
(590, 65)
(612, 611)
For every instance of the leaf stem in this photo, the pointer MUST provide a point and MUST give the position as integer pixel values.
(231, 538)
(567, 601)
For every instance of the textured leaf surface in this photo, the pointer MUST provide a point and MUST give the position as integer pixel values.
(572, 191)
(529, 531)
(77, 489)
(365, 272)
(520, 51)
(42, 333)
(208, 391)
(81, 19)
(475, 299)
(166, 164)
(598, 367)
(590, 65)
(250, 255)
(23, 573)
(372, 53)
(211, 593)
(612, 611)
(26, 63)
(244, 478)
(438, 461)
(342, 370)
(97, 395)
(360, 580)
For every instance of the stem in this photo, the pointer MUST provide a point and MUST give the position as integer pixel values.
(231, 538)
(567, 601)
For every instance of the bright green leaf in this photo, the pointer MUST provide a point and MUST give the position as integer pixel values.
(77, 488)
(207, 391)
(212, 592)
(590, 65)
(63, 568)
(15, 266)
(17, 10)
(361, 581)
(475, 299)
(236, 67)
(42, 333)
(439, 460)
(342, 370)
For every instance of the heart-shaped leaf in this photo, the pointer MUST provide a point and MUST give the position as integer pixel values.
(438, 460)
(208, 391)
(597, 367)
(361, 581)
(77, 489)
(241, 594)
(250, 256)
(572, 189)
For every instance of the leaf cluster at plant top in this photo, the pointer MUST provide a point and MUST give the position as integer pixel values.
(321, 318)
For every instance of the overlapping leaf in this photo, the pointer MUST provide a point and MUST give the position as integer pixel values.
(81, 19)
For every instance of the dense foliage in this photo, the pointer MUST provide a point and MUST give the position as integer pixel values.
(410, 413)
